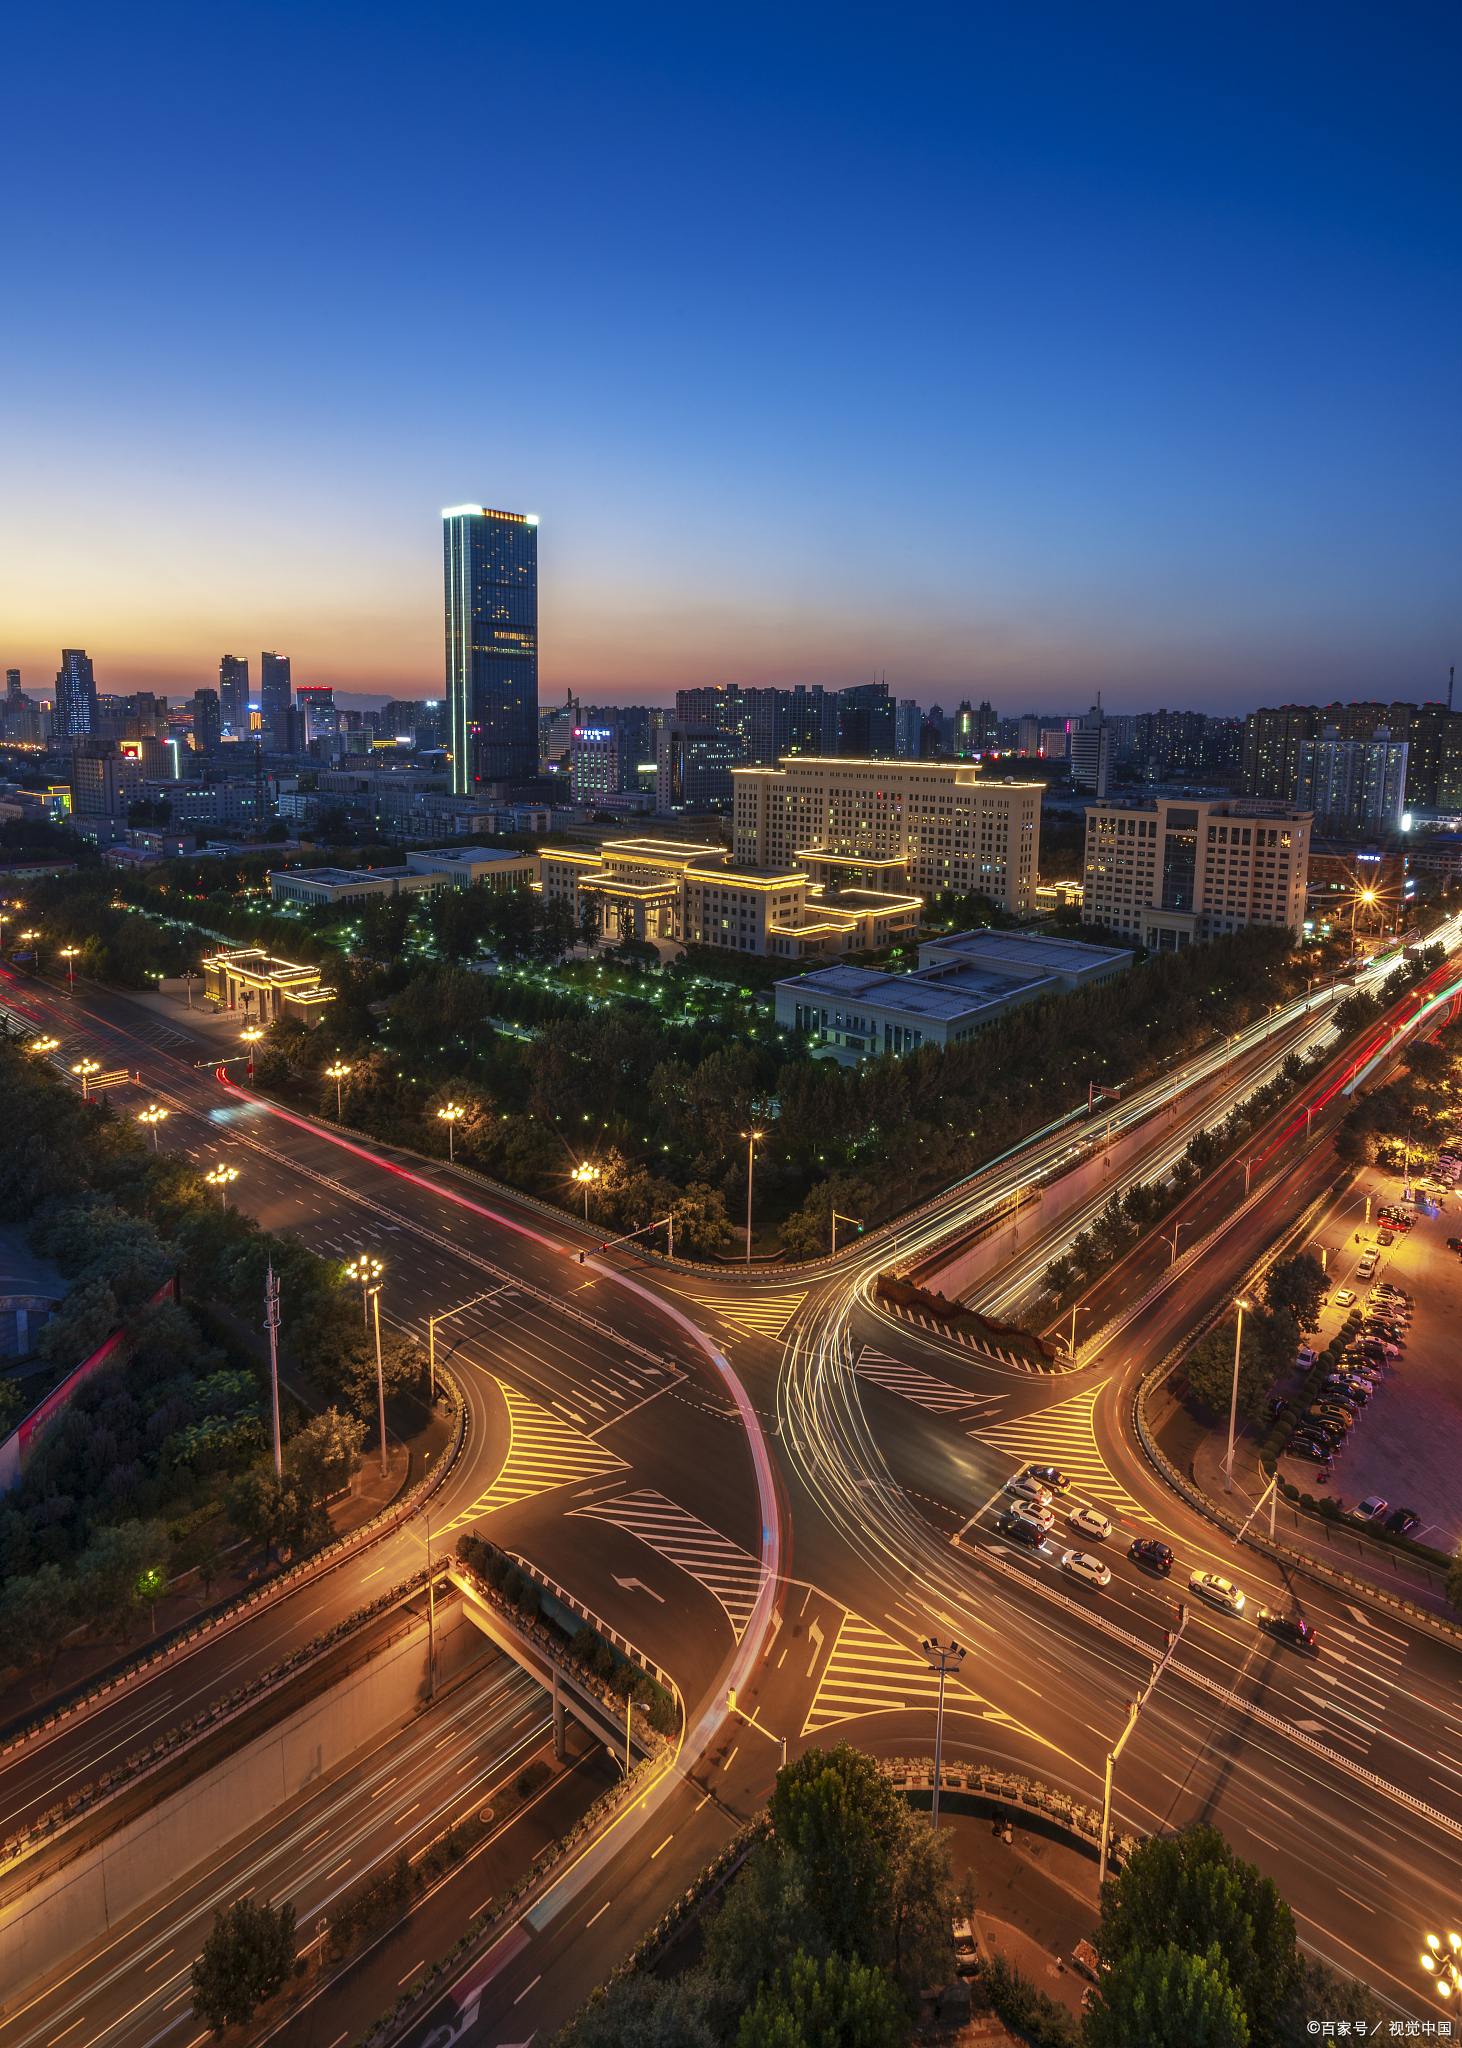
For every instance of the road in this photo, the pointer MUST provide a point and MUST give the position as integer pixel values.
(885, 1446)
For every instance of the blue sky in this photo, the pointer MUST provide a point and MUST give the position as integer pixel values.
(1008, 352)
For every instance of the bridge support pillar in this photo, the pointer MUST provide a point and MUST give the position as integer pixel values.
(558, 1721)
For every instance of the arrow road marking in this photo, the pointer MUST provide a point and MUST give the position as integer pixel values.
(633, 1585)
(814, 1636)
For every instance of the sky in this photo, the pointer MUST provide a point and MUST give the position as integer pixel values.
(1004, 352)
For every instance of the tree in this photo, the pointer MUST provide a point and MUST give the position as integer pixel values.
(826, 2002)
(1323, 1990)
(763, 1922)
(277, 1510)
(110, 1574)
(1298, 1285)
(37, 1614)
(921, 1907)
(244, 1961)
(1164, 1997)
(1190, 1889)
(322, 1457)
(340, 1353)
(836, 1811)
(1267, 1350)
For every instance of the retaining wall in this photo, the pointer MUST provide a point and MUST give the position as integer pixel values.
(79, 1900)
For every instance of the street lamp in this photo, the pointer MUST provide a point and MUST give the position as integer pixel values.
(1444, 1965)
(449, 1117)
(251, 1036)
(35, 958)
(586, 1175)
(337, 1074)
(68, 954)
(943, 1660)
(375, 1299)
(86, 1068)
(220, 1178)
(1241, 1302)
(42, 1046)
(837, 1219)
(154, 1116)
(1174, 1259)
(364, 1271)
(752, 1138)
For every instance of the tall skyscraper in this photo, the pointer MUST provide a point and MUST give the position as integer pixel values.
(75, 715)
(490, 566)
(274, 704)
(207, 721)
(1090, 746)
(233, 692)
(12, 685)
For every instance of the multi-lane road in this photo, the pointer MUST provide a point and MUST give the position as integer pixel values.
(773, 1486)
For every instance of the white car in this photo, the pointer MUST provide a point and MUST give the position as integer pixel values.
(1032, 1514)
(1089, 1523)
(1222, 1592)
(1025, 1488)
(1082, 1565)
(1345, 1298)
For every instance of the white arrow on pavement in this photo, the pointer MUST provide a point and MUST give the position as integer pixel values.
(634, 1585)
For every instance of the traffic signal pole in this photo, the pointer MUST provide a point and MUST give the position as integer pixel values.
(1134, 1708)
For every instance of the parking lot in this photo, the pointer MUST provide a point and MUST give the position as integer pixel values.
(1406, 1445)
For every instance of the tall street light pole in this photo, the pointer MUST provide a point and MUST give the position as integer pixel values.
(751, 1138)
(586, 1175)
(271, 1319)
(154, 1116)
(449, 1117)
(1134, 1708)
(380, 1373)
(942, 1659)
(338, 1073)
(220, 1178)
(86, 1068)
(363, 1271)
(68, 954)
(1241, 1302)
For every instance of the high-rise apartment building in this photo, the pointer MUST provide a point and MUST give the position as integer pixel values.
(768, 723)
(908, 721)
(75, 714)
(1274, 739)
(1353, 786)
(275, 706)
(594, 762)
(934, 826)
(491, 584)
(207, 721)
(315, 712)
(693, 768)
(233, 692)
(1028, 736)
(12, 687)
(1089, 745)
(1168, 873)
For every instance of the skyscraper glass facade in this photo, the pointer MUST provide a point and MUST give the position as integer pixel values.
(490, 562)
(75, 714)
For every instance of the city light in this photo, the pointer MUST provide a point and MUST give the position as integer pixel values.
(220, 1178)
(152, 1116)
(449, 1117)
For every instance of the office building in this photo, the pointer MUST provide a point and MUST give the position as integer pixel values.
(693, 769)
(75, 714)
(315, 714)
(14, 697)
(1028, 736)
(1089, 744)
(961, 987)
(207, 721)
(276, 710)
(490, 564)
(1168, 873)
(233, 692)
(1054, 740)
(907, 723)
(593, 763)
(422, 874)
(1353, 786)
(930, 826)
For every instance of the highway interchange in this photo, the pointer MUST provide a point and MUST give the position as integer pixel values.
(773, 1486)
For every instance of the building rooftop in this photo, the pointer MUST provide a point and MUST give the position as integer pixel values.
(946, 997)
(1033, 953)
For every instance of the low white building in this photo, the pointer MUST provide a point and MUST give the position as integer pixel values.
(422, 875)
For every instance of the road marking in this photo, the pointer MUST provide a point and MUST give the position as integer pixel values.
(939, 1397)
(638, 1585)
(527, 1988)
(383, 1788)
(64, 2032)
(159, 1959)
(815, 1637)
(543, 1453)
(664, 1845)
(415, 1971)
(335, 1872)
(1351, 1895)
(731, 1759)
(600, 1914)
(407, 1815)
(867, 1672)
(765, 1315)
(729, 1574)
(1063, 1434)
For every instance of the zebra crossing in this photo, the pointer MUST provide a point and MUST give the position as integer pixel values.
(729, 1574)
(1351, 1683)
(868, 1672)
(1065, 1435)
(543, 1453)
(763, 1315)
(939, 1397)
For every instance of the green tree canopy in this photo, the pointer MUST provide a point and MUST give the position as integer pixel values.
(836, 1811)
(37, 1613)
(109, 1575)
(1297, 1286)
(826, 2003)
(1167, 1998)
(244, 1961)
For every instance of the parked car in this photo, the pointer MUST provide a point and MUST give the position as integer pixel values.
(1401, 1522)
(1220, 1591)
(1289, 1628)
(1384, 1239)
(1024, 1487)
(1327, 1413)
(1305, 1357)
(1090, 1523)
(1373, 1506)
(1347, 1296)
(1148, 1551)
(966, 1955)
(1348, 1390)
(1051, 1476)
(1082, 1565)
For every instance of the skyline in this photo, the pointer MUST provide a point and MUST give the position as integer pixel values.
(1013, 361)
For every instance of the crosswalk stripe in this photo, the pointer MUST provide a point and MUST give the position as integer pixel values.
(938, 1396)
(728, 1573)
(542, 1453)
(868, 1672)
(765, 1315)
(1063, 1435)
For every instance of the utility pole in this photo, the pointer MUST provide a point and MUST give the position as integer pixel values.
(837, 1219)
(1242, 1302)
(751, 1138)
(271, 1319)
(1271, 1494)
(380, 1374)
(943, 1660)
(1134, 1708)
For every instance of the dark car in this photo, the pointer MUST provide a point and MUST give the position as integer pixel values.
(1289, 1628)
(1050, 1475)
(1402, 1522)
(1156, 1556)
(1454, 1244)
(1022, 1532)
(1355, 1392)
(1316, 1443)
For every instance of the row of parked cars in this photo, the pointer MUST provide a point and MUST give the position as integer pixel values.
(1030, 1513)
(1323, 1431)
